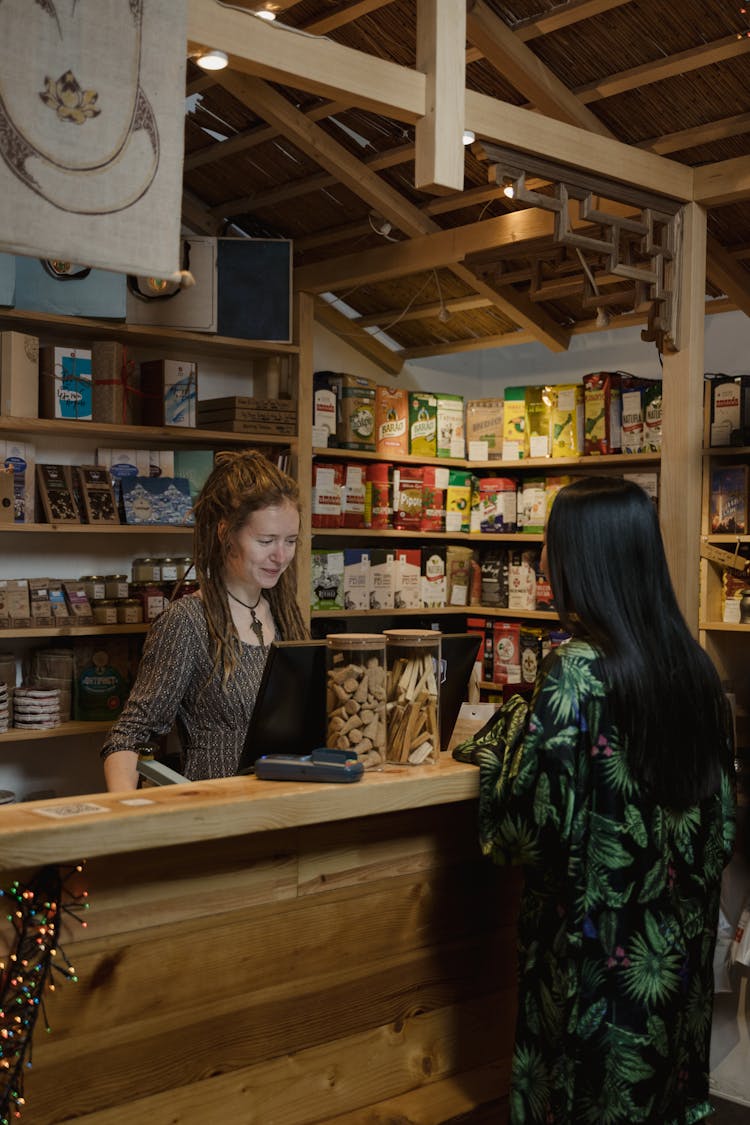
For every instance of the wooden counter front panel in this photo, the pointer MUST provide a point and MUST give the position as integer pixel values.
(362, 971)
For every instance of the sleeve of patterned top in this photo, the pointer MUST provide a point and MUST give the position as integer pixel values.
(164, 674)
(535, 794)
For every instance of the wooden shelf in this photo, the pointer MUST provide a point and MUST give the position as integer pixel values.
(390, 533)
(75, 328)
(726, 538)
(73, 631)
(619, 459)
(65, 730)
(723, 627)
(726, 451)
(138, 435)
(446, 611)
(95, 529)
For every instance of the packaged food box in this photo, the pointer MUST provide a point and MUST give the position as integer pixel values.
(730, 409)
(515, 437)
(450, 426)
(422, 424)
(458, 500)
(728, 500)
(382, 578)
(408, 586)
(434, 585)
(356, 412)
(566, 419)
(602, 409)
(19, 375)
(484, 429)
(327, 580)
(506, 664)
(170, 392)
(391, 420)
(356, 578)
(65, 383)
(538, 406)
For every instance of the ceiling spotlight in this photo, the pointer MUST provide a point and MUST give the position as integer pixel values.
(213, 60)
(509, 191)
(265, 14)
(469, 137)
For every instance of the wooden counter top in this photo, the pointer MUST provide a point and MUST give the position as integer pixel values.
(69, 829)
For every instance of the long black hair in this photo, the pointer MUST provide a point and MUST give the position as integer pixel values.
(611, 584)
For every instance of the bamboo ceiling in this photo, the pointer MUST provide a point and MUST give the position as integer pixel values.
(667, 78)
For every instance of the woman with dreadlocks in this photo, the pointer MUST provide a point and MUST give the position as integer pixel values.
(204, 656)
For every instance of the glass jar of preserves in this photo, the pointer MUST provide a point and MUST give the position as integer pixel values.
(184, 565)
(167, 570)
(129, 611)
(146, 570)
(355, 695)
(412, 658)
(95, 587)
(151, 598)
(115, 586)
(105, 611)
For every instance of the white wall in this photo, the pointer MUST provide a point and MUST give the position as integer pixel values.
(485, 373)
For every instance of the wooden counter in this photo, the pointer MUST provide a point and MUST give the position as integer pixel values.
(266, 952)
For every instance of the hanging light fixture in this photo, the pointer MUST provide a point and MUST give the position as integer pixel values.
(469, 137)
(213, 60)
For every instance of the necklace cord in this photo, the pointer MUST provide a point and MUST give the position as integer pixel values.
(246, 604)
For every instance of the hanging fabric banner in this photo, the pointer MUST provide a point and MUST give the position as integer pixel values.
(92, 112)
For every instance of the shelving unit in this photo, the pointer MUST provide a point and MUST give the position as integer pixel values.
(551, 465)
(72, 331)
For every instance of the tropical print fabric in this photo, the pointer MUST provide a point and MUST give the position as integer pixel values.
(619, 912)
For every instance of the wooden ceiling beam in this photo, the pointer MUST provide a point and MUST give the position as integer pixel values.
(346, 13)
(250, 138)
(305, 186)
(520, 66)
(356, 337)
(672, 66)
(306, 62)
(699, 135)
(728, 274)
(727, 181)
(438, 135)
(568, 144)
(380, 196)
(563, 15)
(510, 339)
(388, 318)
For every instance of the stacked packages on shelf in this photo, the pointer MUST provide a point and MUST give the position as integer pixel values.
(607, 412)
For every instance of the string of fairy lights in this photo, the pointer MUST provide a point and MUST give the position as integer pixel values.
(36, 911)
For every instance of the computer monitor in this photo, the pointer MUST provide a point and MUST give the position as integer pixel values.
(458, 655)
(289, 716)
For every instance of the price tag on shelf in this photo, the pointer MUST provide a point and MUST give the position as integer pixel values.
(479, 451)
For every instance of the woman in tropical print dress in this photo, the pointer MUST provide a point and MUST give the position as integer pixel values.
(616, 796)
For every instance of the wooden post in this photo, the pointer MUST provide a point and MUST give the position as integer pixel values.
(682, 432)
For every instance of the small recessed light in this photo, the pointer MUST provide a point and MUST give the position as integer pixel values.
(213, 60)
(469, 137)
(509, 191)
(264, 14)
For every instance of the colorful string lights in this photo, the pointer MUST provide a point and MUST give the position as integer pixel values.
(35, 911)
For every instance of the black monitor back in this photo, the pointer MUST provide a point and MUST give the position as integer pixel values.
(289, 716)
(458, 655)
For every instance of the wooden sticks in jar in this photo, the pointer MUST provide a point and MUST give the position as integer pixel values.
(412, 709)
(356, 709)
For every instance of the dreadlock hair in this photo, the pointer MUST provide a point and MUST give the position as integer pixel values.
(241, 483)
(611, 584)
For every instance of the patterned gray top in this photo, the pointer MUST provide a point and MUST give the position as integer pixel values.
(176, 681)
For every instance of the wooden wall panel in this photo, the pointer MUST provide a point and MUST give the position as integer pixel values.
(295, 976)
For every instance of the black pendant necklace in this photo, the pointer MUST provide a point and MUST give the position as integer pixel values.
(257, 625)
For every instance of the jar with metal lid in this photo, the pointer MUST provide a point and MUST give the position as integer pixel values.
(184, 564)
(167, 569)
(129, 611)
(412, 658)
(151, 598)
(355, 695)
(146, 570)
(116, 586)
(105, 611)
(95, 587)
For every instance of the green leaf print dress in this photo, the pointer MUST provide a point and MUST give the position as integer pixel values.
(619, 912)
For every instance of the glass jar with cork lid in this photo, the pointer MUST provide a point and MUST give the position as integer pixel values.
(355, 695)
(412, 658)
